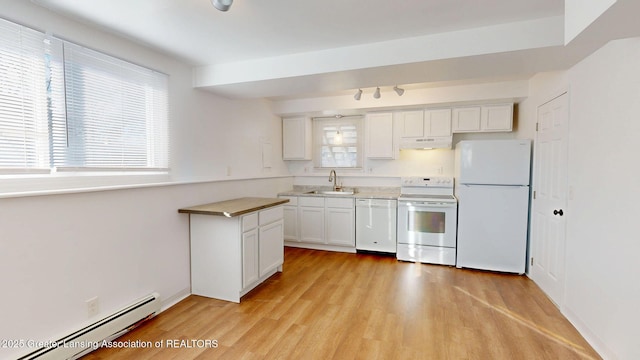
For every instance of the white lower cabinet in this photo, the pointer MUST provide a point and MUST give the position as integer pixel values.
(340, 222)
(231, 256)
(250, 265)
(271, 247)
(290, 210)
(311, 219)
(326, 223)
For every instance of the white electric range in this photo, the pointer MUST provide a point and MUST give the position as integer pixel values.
(427, 219)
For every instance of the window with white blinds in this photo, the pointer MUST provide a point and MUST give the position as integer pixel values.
(66, 107)
(337, 142)
(116, 114)
(24, 133)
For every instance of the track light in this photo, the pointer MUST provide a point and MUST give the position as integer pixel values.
(376, 93)
(222, 5)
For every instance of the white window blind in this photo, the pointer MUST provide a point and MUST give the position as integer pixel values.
(24, 133)
(116, 114)
(338, 142)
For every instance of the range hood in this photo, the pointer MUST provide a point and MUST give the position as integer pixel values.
(436, 142)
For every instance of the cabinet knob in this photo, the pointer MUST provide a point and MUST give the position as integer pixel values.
(558, 212)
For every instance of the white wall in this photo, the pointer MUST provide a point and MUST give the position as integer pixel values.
(602, 292)
(57, 251)
(578, 15)
(602, 287)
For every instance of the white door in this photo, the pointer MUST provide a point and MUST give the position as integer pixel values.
(550, 203)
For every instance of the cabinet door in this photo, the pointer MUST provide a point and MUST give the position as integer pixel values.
(437, 122)
(291, 223)
(412, 124)
(312, 224)
(379, 136)
(340, 227)
(296, 138)
(466, 119)
(271, 252)
(497, 117)
(249, 257)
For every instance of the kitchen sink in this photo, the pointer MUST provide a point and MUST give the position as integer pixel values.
(332, 192)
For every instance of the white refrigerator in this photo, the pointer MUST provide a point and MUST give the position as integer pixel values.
(492, 187)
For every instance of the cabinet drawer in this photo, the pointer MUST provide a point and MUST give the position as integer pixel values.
(346, 203)
(293, 200)
(249, 222)
(270, 215)
(311, 201)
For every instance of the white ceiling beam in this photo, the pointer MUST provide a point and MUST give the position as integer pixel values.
(501, 38)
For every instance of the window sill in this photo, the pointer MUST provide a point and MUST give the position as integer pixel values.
(68, 182)
(27, 190)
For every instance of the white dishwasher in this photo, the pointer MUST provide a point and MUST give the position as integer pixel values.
(376, 225)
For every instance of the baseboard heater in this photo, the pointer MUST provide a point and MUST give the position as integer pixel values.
(107, 329)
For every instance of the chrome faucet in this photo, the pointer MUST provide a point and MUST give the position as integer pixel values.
(333, 177)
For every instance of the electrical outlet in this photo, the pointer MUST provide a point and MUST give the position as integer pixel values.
(93, 307)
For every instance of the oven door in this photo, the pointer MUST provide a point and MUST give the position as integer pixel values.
(427, 223)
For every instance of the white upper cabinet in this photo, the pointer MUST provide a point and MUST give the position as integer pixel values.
(466, 119)
(296, 138)
(437, 122)
(497, 117)
(411, 124)
(485, 118)
(425, 123)
(379, 136)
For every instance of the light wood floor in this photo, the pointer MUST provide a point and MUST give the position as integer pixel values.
(328, 305)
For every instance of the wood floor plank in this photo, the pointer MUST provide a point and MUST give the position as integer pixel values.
(328, 305)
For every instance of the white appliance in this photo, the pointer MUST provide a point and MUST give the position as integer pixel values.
(427, 212)
(376, 225)
(492, 187)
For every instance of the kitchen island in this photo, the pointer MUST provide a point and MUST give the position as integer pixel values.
(235, 245)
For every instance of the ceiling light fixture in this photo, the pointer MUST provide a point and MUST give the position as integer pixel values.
(376, 94)
(398, 90)
(337, 138)
(358, 95)
(222, 5)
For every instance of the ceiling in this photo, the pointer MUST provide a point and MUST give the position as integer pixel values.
(295, 48)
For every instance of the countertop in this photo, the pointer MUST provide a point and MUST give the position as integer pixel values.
(360, 193)
(234, 207)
